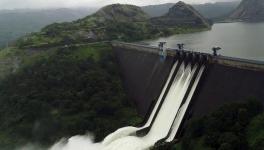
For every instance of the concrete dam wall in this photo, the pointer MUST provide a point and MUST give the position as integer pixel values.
(225, 80)
(144, 75)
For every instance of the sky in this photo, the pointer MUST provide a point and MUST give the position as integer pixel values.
(36, 4)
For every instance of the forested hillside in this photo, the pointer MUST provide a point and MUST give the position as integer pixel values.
(62, 92)
(237, 126)
(17, 23)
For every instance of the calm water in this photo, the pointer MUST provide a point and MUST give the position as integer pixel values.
(243, 40)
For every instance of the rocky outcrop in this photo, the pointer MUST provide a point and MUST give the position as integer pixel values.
(249, 10)
(181, 14)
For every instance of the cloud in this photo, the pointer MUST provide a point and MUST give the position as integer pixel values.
(13, 4)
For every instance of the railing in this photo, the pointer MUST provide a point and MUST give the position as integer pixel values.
(153, 49)
(239, 63)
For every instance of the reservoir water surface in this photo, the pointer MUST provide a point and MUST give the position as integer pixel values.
(242, 40)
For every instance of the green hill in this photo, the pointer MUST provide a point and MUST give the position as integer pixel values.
(113, 22)
(17, 23)
(122, 13)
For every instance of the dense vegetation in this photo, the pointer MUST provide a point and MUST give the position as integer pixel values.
(231, 127)
(73, 90)
(17, 23)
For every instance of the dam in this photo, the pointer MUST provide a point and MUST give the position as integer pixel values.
(166, 116)
(144, 76)
(169, 91)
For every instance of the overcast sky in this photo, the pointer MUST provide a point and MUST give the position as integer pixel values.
(13, 4)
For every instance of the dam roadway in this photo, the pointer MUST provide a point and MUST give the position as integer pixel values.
(224, 80)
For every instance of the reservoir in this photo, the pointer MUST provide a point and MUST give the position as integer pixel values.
(242, 40)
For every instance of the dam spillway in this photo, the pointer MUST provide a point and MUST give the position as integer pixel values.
(166, 116)
(226, 80)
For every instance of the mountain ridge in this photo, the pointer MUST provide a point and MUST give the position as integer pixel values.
(17, 23)
(208, 10)
(181, 14)
(112, 22)
(249, 10)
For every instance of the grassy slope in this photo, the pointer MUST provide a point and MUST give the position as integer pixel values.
(62, 92)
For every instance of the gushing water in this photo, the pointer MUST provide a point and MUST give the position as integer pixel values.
(126, 131)
(168, 118)
(164, 121)
(183, 109)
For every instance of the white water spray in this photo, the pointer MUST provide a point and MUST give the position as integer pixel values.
(77, 143)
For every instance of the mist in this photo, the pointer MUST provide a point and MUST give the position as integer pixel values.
(78, 142)
(43, 4)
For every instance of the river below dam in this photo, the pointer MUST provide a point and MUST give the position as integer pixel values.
(242, 40)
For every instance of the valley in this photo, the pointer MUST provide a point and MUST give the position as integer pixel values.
(63, 77)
